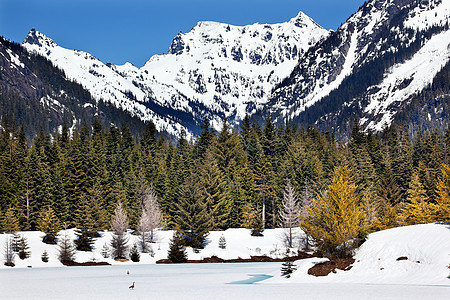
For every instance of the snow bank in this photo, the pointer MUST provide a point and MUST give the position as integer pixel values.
(426, 247)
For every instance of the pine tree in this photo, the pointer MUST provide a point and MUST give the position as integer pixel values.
(193, 217)
(148, 141)
(177, 250)
(289, 216)
(214, 186)
(134, 254)
(257, 227)
(66, 249)
(15, 241)
(388, 197)
(85, 225)
(288, 266)
(119, 225)
(49, 224)
(22, 248)
(305, 200)
(97, 208)
(205, 139)
(75, 174)
(334, 219)
(245, 194)
(39, 184)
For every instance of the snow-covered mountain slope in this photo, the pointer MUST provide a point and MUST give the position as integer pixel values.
(214, 70)
(37, 95)
(372, 65)
(100, 80)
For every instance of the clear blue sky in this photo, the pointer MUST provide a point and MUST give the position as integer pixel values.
(118, 31)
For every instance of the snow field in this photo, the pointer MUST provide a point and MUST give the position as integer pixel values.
(376, 273)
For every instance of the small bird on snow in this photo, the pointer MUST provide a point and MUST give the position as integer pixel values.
(132, 286)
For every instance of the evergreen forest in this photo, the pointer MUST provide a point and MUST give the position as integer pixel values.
(220, 180)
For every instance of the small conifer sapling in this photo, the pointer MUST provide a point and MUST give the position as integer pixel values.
(105, 251)
(134, 253)
(222, 242)
(288, 266)
(44, 256)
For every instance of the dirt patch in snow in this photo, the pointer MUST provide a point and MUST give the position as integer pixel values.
(87, 263)
(261, 258)
(325, 268)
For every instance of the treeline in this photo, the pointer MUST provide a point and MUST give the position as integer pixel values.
(219, 180)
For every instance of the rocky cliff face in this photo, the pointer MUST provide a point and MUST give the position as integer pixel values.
(15, 76)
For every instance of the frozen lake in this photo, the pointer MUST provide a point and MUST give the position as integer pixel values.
(190, 281)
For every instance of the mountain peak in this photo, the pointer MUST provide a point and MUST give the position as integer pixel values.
(301, 19)
(35, 37)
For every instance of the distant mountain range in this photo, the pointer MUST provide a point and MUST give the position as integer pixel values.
(387, 63)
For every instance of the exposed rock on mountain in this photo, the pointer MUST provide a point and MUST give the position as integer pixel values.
(372, 66)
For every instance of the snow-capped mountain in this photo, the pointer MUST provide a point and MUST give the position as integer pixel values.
(214, 70)
(38, 96)
(103, 82)
(374, 65)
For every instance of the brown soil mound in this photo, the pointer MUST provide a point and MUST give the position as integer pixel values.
(325, 268)
(261, 258)
(87, 263)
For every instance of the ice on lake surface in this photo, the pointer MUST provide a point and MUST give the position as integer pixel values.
(189, 281)
(253, 279)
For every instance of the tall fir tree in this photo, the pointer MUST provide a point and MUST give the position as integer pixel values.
(193, 218)
(85, 226)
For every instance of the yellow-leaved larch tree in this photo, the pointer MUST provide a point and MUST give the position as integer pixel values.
(335, 219)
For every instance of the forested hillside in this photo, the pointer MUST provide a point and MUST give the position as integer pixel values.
(220, 180)
(37, 95)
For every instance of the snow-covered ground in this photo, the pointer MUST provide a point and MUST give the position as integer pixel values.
(239, 244)
(376, 273)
